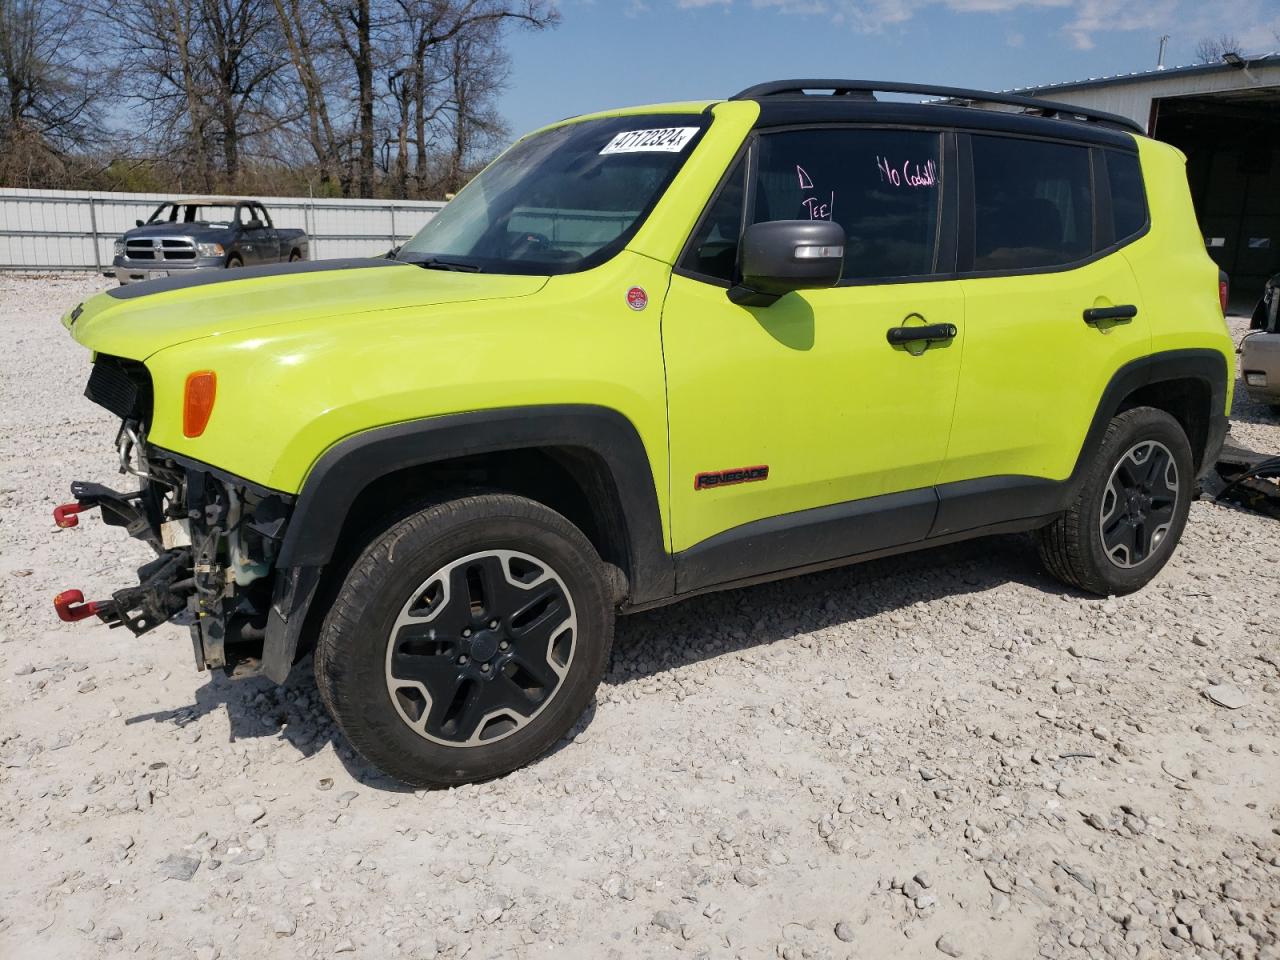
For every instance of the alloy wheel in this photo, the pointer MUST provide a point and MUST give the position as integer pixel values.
(1138, 504)
(481, 648)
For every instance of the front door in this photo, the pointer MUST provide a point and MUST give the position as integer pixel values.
(798, 432)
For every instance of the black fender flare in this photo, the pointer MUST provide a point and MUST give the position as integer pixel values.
(348, 467)
(1207, 366)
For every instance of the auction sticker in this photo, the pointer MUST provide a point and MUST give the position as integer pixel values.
(661, 140)
(637, 299)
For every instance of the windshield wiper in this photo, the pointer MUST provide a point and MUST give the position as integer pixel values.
(437, 263)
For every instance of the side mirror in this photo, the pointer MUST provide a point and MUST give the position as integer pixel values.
(254, 224)
(137, 223)
(785, 255)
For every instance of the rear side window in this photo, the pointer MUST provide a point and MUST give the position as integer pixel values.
(883, 187)
(1128, 198)
(1033, 203)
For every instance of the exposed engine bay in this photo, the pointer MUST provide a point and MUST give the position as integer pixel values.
(215, 538)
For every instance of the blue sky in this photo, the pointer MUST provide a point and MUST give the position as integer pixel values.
(609, 53)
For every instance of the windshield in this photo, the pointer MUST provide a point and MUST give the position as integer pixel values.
(213, 214)
(560, 201)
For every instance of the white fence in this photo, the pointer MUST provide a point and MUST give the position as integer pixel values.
(72, 230)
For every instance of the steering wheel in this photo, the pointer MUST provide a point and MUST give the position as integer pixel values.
(527, 242)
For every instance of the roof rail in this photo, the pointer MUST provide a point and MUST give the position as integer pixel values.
(867, 89)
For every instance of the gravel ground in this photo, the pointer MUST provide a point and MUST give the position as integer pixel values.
(939, 755)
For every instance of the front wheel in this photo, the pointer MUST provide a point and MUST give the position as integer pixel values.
(466, 639)
(1130, 510)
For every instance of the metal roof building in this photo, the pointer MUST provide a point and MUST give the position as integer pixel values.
(1225, 117)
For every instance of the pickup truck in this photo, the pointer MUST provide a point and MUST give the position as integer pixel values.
(203, 234)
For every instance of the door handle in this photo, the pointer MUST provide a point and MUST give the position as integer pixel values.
(1122, 314)
(931, 332)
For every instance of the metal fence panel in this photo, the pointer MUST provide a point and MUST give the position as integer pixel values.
(73, 230)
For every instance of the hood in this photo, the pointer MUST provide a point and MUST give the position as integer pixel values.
(166, 229)
(137, 320)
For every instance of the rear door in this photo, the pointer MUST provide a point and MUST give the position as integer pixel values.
(1043, 277)
(265, 248)
(271, 236)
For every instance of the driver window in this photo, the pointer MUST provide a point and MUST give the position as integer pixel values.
(882, 186)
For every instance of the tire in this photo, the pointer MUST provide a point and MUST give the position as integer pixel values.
(420, 709)
(294, 256)
(1113, 539)
(234, 262)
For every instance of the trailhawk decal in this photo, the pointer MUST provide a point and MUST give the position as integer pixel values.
(725, 478)
(661, 140)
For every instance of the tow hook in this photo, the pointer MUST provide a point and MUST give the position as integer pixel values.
(118, 510)
(163, 587)
(65, 516)
(65, 602)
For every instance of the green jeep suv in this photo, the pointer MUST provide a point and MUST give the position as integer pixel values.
(650, 353)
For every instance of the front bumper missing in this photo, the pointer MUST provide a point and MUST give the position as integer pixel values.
(223, 585)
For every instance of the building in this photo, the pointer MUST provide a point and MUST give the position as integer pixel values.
(1226, 118)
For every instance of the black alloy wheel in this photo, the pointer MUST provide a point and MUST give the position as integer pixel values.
(481, 648)
(1138, 504)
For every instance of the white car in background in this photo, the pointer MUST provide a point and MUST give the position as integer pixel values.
(1260, 348)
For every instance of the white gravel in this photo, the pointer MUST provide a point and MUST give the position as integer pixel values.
(938, 755)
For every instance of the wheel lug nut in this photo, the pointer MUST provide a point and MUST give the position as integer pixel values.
(462, 660)
(493, 624)
(466, 632)
(504, 645)
(484, 668)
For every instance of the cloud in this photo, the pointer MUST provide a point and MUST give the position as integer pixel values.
(1255, 22)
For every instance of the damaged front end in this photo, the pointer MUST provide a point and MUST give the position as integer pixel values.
(216, 539)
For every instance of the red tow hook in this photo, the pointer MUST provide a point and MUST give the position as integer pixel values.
(65, 602)
(65, 515)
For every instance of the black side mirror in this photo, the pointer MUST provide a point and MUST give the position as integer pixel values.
(254, 224)
(137, 223)
(785, 255)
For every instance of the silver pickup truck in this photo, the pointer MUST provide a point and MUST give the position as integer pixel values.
(204, 234)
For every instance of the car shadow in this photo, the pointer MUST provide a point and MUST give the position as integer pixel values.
(655, 641)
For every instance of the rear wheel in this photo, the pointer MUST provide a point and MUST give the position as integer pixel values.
(466, 639)
(1131, 509)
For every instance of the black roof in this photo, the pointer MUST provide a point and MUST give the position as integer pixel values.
(786, 102)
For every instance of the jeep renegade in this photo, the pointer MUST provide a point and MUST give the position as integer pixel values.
(650, 353)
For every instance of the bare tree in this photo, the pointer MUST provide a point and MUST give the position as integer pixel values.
(1212, 50)
(205, 77)
(359, 97)
(411, 40)
(48, 86)
(303, 28)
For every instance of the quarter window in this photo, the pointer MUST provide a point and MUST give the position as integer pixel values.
(1128, 200)
(714, 250)
(1033, 203)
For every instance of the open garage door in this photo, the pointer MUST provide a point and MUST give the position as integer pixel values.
(1232, 143)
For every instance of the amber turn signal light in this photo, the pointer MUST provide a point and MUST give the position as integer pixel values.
(197, 401)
